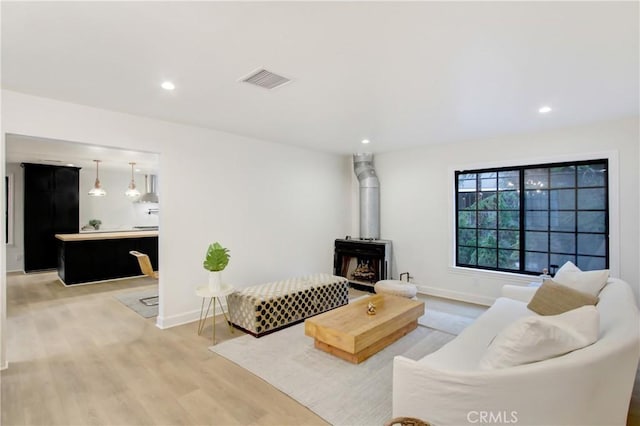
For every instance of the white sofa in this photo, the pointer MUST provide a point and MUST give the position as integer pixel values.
(590, 386)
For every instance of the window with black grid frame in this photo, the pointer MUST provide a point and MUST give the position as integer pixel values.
(528, 218)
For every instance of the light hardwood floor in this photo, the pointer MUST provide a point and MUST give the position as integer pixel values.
(80, 357)
(77, 356)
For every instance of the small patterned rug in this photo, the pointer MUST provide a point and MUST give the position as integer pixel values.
(132, 301)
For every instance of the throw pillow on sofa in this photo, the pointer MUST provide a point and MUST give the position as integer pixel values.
(553, 299)
(536, 338)
(585, 281)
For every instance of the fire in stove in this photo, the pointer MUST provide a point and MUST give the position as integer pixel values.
(364, 271)
(362, 262)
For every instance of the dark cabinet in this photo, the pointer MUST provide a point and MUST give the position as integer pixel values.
(89, 260)
(51, 206)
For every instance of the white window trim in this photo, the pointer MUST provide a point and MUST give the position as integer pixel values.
(614, 208)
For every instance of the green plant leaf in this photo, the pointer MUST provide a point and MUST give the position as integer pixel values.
(217, 258)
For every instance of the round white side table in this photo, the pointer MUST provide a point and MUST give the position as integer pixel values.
(205, 292)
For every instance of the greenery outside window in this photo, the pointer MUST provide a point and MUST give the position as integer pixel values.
(527, 218)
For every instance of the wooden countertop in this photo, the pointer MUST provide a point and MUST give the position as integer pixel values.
(91, 236)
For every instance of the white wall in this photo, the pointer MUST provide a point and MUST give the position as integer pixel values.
(3, 256)
(15, 250)
(277, 208)
(416, 201)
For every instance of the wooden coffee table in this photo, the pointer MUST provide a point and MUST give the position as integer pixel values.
(350, 333)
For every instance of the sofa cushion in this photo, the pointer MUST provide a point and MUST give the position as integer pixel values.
(538, 338)
(465, 351)
(585, 281)
(553, 299)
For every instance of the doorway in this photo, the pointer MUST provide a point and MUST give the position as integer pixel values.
(116, 212)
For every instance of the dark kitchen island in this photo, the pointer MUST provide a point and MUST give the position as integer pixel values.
(99, 256)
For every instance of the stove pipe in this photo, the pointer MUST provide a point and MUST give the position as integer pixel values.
(369, 196)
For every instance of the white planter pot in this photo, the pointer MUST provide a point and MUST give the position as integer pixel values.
(215, 280)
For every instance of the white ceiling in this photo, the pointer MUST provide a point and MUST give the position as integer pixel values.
(400, 74)
(27, 149)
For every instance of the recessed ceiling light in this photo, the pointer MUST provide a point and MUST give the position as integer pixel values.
(138, 170)
(70, 164)
(545, 109)
(167, 85)
(365, 141)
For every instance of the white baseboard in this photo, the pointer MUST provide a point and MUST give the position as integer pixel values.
(456, 295)
(176, 320)
(186, 317)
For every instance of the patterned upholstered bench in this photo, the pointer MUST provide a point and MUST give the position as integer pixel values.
(268, 307)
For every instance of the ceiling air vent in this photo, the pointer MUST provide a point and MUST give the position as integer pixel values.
(266, 79)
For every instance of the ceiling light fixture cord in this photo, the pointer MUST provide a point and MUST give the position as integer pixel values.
(97, 190)
(132, 192)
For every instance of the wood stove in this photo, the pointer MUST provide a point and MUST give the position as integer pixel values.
(362, 261)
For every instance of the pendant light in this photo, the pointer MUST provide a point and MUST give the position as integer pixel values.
(97, 190)
(132, 192)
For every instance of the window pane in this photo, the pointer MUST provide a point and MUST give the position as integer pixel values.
(535, 262)
(487, 201)
(536, 200)
(591, 244)
(509, 219)
(488, 181)
(509, 180)
(561, 259)
(509, 239)
(467, 182)
(467, 237)
(467, 219)
(563, 177)
(487, 220)
(509, 259)
(562, 243)
(467, 200)
(509, 200)
(487, 239)
(537, 241)
(488, 257)
(591, 199)
(536, 178)
(537, 221)
(562, 199)
(562, 221)
(592, 175)
(466, 255)
(591, 222)
(587, 263)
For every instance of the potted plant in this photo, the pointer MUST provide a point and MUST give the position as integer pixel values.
(216, 260)
(95, 223)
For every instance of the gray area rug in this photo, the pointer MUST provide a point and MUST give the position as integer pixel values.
(132, 301)
(442, 321)
(338, 391)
